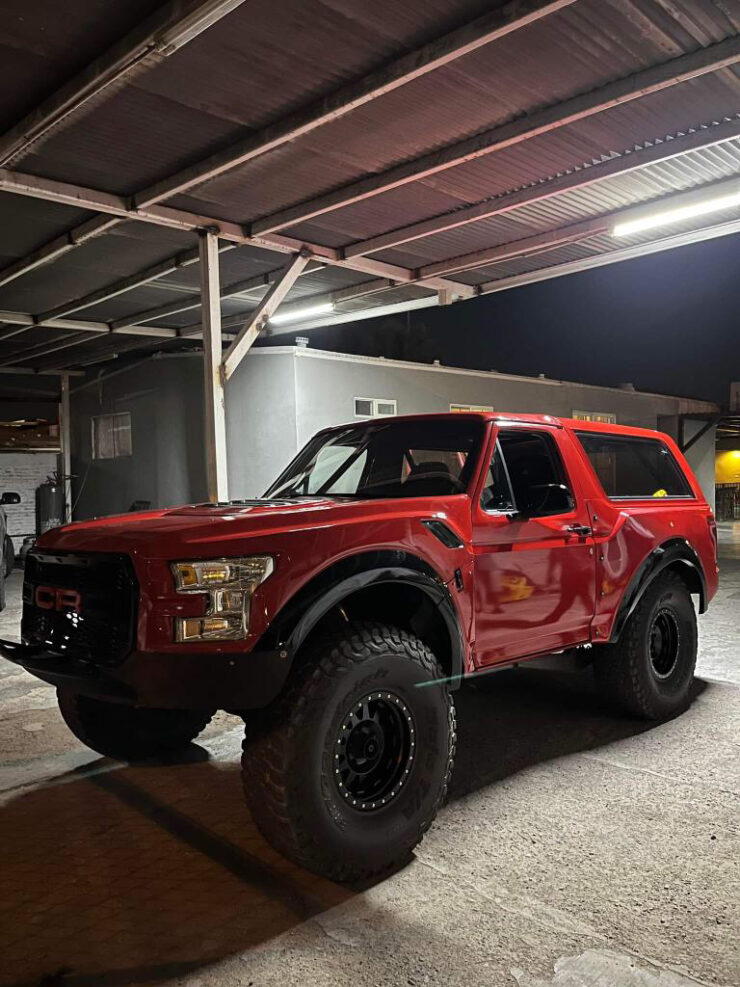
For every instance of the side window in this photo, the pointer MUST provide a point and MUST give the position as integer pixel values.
(536, 473)
(631, 467)
(497, 494)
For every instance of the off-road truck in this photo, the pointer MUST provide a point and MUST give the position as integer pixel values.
(391, 561)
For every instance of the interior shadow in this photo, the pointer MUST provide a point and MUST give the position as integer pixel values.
(117, 875)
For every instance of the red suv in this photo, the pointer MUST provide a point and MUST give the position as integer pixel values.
(392, 560)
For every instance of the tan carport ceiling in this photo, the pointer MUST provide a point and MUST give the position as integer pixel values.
(411, 153)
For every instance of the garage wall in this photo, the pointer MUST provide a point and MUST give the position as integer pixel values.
(260, 421)
(165, 400)
(277, 399)
(23, 472)
(167, 466)
(328, 384)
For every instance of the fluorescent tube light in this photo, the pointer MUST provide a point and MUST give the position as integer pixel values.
(666, 217)
(301, 314)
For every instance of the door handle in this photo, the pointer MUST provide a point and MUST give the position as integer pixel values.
(579, 529)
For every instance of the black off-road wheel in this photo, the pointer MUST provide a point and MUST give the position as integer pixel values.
(649, 672)
(129, 733)
(346, 772)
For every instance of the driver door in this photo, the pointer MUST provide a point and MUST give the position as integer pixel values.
(535, 571)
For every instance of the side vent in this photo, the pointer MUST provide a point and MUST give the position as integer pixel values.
(440, 530)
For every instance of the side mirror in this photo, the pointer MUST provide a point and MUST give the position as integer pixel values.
(546, 498)
(9, 497)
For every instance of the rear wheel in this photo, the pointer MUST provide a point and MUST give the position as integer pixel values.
(346, 773)
(129, 733)
(649, 672)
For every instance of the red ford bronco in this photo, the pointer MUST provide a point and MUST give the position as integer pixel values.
(392, 560)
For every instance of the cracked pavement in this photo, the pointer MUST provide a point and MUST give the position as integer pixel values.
(577, 850)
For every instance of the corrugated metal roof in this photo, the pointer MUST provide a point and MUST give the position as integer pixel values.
(270, 58)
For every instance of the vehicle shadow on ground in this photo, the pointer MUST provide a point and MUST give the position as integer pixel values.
(135, 874)
(514, 719)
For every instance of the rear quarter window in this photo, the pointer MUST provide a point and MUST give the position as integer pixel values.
(630, 467)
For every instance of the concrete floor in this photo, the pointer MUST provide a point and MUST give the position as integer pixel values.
(577, 850)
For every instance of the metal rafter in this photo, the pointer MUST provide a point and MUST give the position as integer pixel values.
(230, 291)
(116, 205)
(538, 243)
(257, 318)
(442, 51)
(644, 83)
(175, 263)
(164, 33)
(612, 257)
(30, 372)
(586, 175)
(57, 247)
(26, 319)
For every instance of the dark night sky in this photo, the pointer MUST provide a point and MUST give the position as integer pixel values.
(668, 323)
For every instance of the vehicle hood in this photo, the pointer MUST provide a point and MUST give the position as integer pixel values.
(205, 529)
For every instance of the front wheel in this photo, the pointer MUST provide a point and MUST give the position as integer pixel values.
(649, 672)
(346, 773)
(129, 733)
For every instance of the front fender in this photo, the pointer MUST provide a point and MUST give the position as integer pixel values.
(328, 589)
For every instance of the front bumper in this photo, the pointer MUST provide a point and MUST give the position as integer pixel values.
(189, 680)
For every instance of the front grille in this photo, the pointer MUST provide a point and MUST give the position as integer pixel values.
(96, 626)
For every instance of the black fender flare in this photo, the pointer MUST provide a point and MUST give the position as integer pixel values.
(677, 550)
(298, 617)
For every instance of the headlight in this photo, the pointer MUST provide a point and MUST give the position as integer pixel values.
(229, 585)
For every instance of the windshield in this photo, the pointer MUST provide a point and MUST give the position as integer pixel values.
(425, 458)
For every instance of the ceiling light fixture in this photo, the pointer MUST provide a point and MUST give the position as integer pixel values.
(301, 314)
(678, 214)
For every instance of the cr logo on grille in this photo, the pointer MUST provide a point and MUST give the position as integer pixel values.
(56, 598)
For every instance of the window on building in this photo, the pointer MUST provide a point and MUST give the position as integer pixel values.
(471, 407)
(111, 436)
(629, 467)
(603, 417)
(375, 407)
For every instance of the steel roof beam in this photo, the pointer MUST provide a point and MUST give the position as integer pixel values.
(350, 293)
(164, 33)
(230, 291)
(576, 232)
(613, 257)
(613, 94)
(175, 263)
(522, 248)
(30, 371)
(66, 193)
(259, 316)
(583, 177)
(491, 26)
(57, 247)
(44, 348)
(29, 321)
